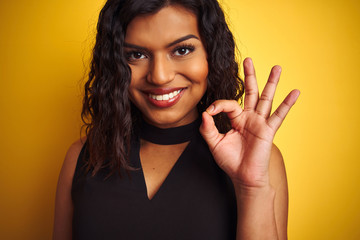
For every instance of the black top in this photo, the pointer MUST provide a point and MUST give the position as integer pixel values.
(196, 200)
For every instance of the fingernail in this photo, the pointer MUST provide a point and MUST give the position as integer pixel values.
(210, 108)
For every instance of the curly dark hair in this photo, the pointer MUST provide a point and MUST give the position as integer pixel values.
(108, 115)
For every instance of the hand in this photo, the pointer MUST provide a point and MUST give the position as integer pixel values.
(244, 152)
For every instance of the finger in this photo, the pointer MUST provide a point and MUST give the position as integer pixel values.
(251, 88)
(266, 99)
(230, 107)
(209, 131)
(275, 120)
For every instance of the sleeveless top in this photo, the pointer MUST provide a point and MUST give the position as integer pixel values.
(196, 200)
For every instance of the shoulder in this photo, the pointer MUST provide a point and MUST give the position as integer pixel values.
(63, 202)
(68, 167)
(74, 150)
(71, 157)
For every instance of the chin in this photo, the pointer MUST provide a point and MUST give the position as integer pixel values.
(163, 121)
(170, 120)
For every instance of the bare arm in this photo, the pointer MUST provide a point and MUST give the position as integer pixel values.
(63, 201)
(247, 154)
(278, 181)
(265, 209)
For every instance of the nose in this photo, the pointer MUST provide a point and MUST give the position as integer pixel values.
(161, 70)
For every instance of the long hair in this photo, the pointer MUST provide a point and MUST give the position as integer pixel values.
(107, 113)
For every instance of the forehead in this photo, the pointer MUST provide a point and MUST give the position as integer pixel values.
(167, 25)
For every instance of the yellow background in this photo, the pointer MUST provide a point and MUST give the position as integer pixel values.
(44, 51)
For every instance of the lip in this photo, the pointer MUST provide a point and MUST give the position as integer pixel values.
(161, 91)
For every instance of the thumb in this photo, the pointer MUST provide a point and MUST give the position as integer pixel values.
(209, 131)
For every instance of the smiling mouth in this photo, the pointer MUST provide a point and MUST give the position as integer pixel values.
(165, 97)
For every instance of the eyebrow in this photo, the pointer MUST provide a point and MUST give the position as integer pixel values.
(129, 45)
(181, 40)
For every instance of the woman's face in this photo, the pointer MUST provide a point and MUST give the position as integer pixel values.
(168, 64)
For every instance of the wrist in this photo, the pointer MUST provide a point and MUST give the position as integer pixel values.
(256, 214)
(261, 191)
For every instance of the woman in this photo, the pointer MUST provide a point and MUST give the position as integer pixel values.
(162, 73)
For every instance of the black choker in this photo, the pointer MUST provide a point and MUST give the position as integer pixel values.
(169, 136)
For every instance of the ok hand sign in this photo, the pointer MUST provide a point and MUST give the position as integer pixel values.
(244, 152)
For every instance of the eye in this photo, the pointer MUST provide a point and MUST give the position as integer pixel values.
(183, 50)
(135, 56)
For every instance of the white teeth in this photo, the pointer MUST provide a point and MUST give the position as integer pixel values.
(164, 97)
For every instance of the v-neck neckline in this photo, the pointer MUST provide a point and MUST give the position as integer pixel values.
(169, 177)
(168, 136)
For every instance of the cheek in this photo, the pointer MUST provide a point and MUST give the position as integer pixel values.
(133, 82)
(137, 74)
(131, 86)
(198, 71)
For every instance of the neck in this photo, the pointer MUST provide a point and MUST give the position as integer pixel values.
(169, 136)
